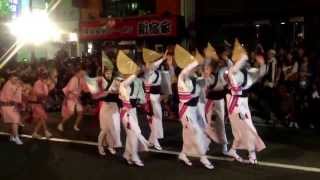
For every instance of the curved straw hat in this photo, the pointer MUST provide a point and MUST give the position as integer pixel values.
(211, 52)
(182, 57)
(106, 62)
(238, 51)
(150, 56)
(125, 65)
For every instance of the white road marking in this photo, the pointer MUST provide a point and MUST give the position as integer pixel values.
(260, 163)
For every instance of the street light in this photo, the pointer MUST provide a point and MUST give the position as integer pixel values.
(73, 37)
(34, 28)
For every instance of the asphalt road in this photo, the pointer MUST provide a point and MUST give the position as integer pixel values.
(46, 160)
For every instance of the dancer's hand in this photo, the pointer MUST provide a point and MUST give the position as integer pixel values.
(260, 60)
(165, 55)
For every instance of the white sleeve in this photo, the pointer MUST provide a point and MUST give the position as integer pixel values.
(185, 73)
(257, 73)
(187, 70)
(238, 65)
(129, 80)
(229, 63)
(113, 88)
(155, 65)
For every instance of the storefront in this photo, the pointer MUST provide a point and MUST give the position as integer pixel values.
(155, 32)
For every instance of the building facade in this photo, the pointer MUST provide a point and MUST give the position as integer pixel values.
(274, 23)
(152, 23)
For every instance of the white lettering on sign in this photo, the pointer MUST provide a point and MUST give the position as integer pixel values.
(147, 28)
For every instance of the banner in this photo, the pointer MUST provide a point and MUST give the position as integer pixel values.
(129, 28)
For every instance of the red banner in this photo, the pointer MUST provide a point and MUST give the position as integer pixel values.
(129, 28)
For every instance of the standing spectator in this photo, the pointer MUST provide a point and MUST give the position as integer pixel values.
(269, 84)
(290, 77)
(281, 56)
(290, 70)
(304, 91)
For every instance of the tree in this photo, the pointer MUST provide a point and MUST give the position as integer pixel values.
(4, 8)
(5, 14)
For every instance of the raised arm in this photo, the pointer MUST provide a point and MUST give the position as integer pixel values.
(229, 63)
(256, 73)
(185, 73)
(187, 70)
(129, 80)
(238, 65)
(124, 85)
(155, 65)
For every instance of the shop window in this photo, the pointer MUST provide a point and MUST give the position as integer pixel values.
(123, 8)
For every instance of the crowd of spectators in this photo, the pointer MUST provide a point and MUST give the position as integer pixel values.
(289, 93)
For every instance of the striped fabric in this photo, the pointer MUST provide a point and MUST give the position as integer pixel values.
(183, 97)
(235, 91)
(126, 106)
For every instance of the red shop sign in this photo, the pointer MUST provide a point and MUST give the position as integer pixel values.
(129, 28)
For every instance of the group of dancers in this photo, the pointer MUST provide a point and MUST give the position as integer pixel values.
(210, 87)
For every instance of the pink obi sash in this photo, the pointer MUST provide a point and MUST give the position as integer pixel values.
(209, 104)
(148, 105)
(183, 97)
(235, 93)
(126, 106)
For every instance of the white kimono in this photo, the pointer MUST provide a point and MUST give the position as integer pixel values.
(131, 89)
(215, 106)
(109, 117)
(152, 82)
(195, 141)
(244, 132)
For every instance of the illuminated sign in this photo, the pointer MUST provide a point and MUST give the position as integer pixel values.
(129, 28)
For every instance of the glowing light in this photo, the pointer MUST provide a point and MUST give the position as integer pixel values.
(283, 23)
(34, 27)
(4, 59)
(73, 37)
(90, 47)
